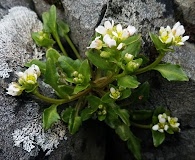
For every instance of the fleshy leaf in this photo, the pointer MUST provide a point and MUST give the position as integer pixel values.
(74, 122)
(80, 88)
(124, 115)
(158, 138)
(50, 116)
(94, 103)
(141, 114)
(69, 65)
(85, 71)
(65, 115)
(51, 74)
(63, 28)
(140, 94)
(133, 45)
(134, 145)
(123, 131)
(99, 62)
(112, 119)
(128, 82)
(171, 72)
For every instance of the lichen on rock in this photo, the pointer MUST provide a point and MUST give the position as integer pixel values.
(33, 134)
(16, 44)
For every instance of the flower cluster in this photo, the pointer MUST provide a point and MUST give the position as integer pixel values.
(111, 35)
(167, 123)
(27, 81)
(173, 36)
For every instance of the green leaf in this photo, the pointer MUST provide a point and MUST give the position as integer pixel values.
(80, 88)
(69, 65)
(112, 119)
(99, 62)
(158, 138)
(138, 115)
(45, 18)
(52, 19)
(128, 82)
(133, 45)
(140, 94)
(63, 28)
(94, 103)
(40, 64)
(65, 115)
(134, 145)
(123, 131)
(85, 71)
(74, 122)
(125, 93)
(51, 74)
(50, 116)
(124, 115)
(132, 39)
(107, 99)
(171, 72)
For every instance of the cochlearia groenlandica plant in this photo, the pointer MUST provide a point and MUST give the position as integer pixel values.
(97, 84)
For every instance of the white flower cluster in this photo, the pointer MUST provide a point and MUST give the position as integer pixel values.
(166, 123)
(173, 36)
(27, 81)
(111, 35)
(33, 134)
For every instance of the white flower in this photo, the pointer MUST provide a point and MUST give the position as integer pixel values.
(29, 76)
(34, 69)
(166, 35)
(121, 33)
(14, 89)
(97, 43)
(173, 36)
(114, 93)
(162, 118)
(109, 41)
(173, 122)
(108, 26)
(161, 127)
(131, 30)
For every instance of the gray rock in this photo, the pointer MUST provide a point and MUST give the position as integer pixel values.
(15, 29)
(83, 17)
(20, 116)
(185, 56)
(7, 4)
(187, 9)
(43, 6)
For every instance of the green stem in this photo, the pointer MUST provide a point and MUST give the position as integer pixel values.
(60, 101)
(72, 46)
(152, 65)
(141, 125)
(48, 99)
(57, 38)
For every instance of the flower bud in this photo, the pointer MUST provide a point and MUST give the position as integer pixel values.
(105, 54)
